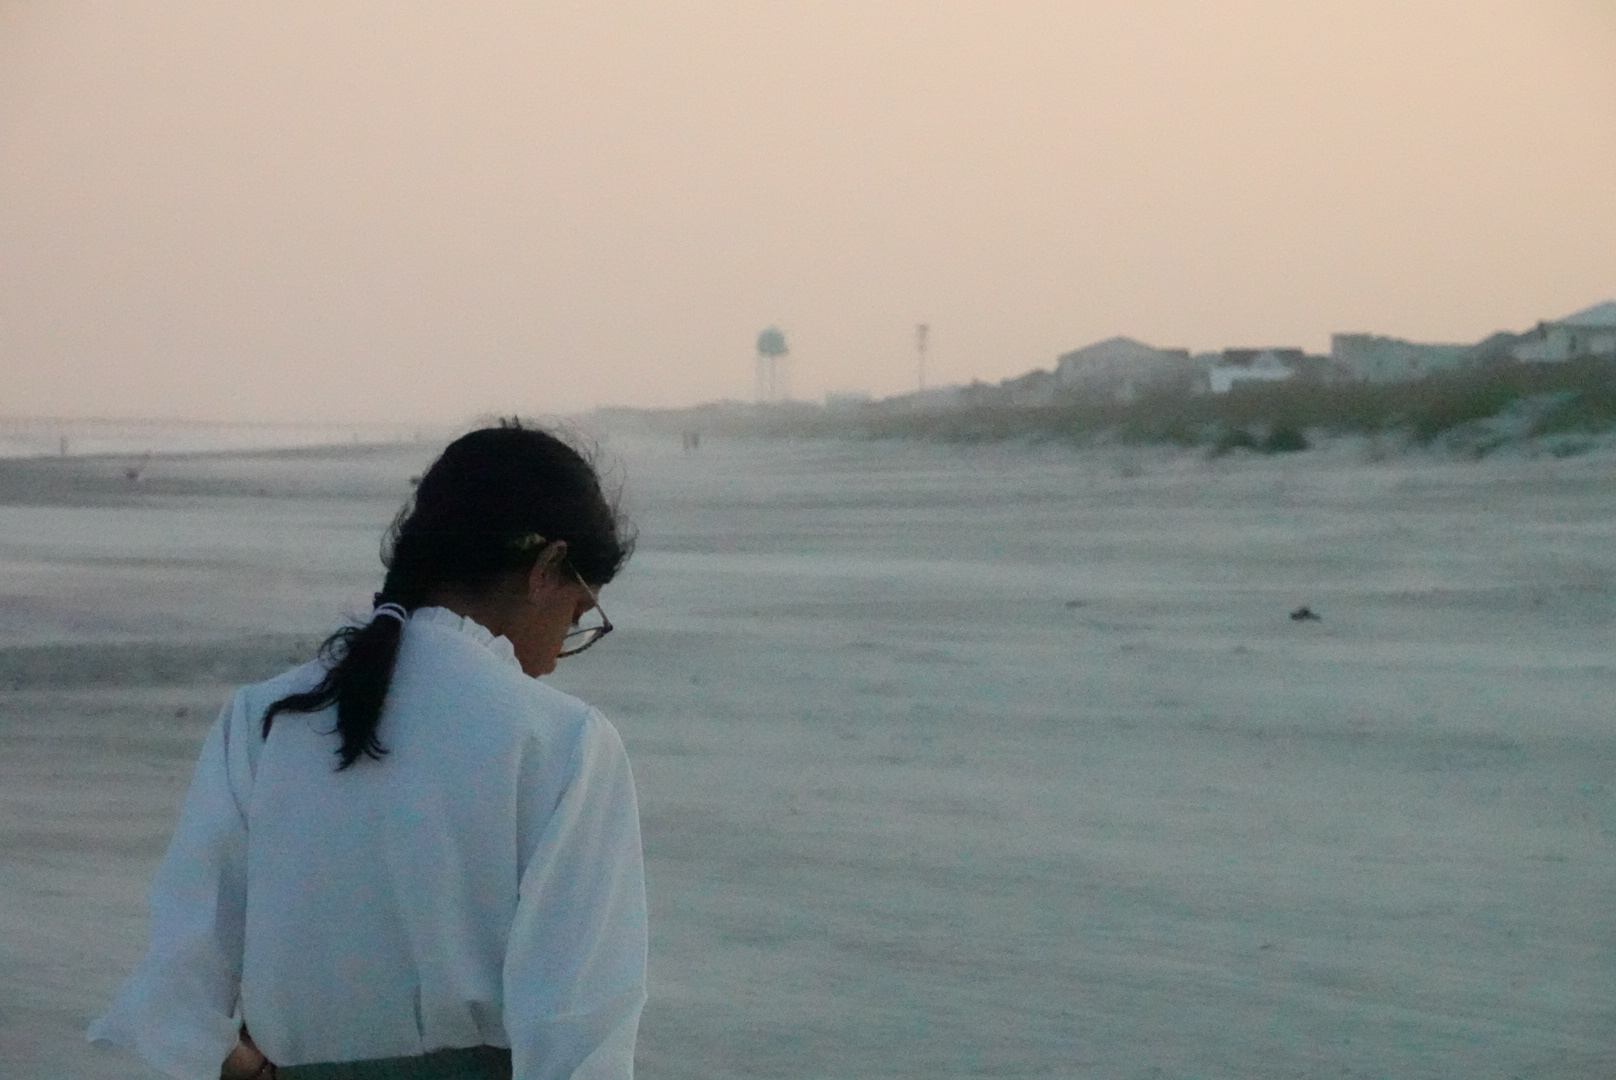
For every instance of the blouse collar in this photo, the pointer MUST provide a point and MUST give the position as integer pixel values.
(501, 647)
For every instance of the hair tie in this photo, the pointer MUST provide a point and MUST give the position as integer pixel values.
(390, 611)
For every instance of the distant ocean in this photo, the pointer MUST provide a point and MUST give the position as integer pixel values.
(82, 438)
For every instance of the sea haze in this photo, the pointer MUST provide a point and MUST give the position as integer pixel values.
(952, 761)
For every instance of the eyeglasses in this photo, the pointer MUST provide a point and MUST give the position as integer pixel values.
(580, 639)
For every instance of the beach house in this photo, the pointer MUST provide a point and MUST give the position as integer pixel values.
(1122, 368)
(1235, 366)
(1377, 359)
(1590, 332)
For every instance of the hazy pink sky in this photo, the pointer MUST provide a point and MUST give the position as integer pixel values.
(424, 210)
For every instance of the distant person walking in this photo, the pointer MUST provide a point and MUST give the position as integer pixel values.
(409, 858)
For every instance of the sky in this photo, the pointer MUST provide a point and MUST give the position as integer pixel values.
(402, 210)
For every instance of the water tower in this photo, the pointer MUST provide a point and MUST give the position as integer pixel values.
(773, 378)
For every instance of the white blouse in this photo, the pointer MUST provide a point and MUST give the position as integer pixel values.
(481, 884)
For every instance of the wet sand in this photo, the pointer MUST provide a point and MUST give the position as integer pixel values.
(953, 762)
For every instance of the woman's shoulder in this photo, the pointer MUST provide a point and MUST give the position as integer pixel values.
(543, 706)
(447, 664)
(294, 680)
(449, 661)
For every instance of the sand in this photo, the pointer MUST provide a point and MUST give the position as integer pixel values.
(953, 762)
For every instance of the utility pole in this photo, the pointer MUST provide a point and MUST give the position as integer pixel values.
(922, 332)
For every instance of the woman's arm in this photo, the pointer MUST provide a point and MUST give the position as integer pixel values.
(575, 961)
(176, 1010)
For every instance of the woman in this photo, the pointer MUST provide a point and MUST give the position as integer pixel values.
(410, 858)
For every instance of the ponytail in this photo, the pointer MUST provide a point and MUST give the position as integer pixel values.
(359, 667)
(359, 660)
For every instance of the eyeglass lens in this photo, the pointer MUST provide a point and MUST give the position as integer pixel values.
(579, 640)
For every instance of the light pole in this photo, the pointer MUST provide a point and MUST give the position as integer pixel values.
(922, 332)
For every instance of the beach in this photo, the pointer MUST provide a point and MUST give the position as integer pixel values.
(953, 760)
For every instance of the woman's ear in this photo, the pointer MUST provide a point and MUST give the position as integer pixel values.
(546, 570)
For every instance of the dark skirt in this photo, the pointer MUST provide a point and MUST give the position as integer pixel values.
(471, 1063)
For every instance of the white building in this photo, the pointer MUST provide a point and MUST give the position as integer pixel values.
(1591, 332)
(1122, 368)
(1236, 366)
(1376, 359)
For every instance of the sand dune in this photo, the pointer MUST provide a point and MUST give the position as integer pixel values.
(954, 762)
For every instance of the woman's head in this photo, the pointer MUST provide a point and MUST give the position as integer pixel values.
(477, 511)
(509, 524)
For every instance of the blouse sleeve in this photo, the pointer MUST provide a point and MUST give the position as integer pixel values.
(575, 960)
(176, 1011)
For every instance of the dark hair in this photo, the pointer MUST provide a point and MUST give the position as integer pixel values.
(465, 527)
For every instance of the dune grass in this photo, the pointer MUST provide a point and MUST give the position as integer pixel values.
(1573, 398)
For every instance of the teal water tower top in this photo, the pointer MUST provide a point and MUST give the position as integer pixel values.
(771, 343)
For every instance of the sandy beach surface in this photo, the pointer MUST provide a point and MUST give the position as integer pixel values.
(992, 761)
